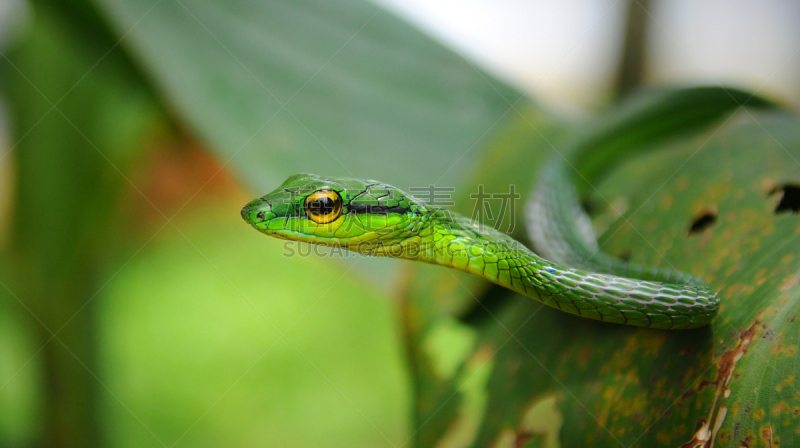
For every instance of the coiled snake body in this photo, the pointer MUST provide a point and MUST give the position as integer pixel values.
(374, 218)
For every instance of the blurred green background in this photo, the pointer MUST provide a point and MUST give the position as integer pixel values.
(137, 309)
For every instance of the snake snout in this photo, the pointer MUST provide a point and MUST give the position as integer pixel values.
(257, 213)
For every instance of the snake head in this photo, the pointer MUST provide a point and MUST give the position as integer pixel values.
(340, 212)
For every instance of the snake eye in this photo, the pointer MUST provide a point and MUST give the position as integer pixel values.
(323, 206)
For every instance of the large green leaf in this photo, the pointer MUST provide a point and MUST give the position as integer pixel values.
(336, 88)
(530, 374)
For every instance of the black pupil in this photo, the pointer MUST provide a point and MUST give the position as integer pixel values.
(323, 206)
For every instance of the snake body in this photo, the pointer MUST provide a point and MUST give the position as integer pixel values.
(374, 218)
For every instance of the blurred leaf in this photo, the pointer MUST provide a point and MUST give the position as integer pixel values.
(652, 116)
(335, 88)
(80, 115)
(193, 345)
(20, 381)
(749, 253)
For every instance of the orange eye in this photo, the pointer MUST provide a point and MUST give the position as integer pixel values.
(323, 206)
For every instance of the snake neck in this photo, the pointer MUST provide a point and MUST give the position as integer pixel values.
(457, 242)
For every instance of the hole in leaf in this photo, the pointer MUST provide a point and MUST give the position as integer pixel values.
(790, 198)
(702, 222)
(625, 255)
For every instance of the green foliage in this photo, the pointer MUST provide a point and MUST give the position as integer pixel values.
(345, 88)
(192, 338)
(332, 88)
(79, 117)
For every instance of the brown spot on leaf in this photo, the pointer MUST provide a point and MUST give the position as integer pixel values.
(583, 356)
(727, 362)
(725, 366)
(766, 435)
(790, 281)
(541, 419)
(681, 183)
(780, 408)
(521, 439)
(701, 437)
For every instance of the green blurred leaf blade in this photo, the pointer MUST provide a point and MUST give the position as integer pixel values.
(340, 88)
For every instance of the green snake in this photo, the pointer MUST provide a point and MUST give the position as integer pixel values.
(374, 218)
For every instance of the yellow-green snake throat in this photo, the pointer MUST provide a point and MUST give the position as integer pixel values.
(374, 218)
